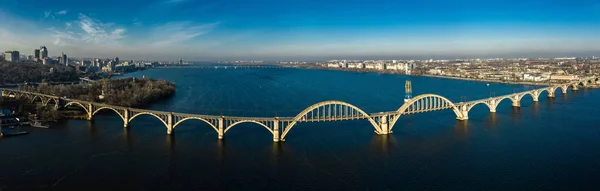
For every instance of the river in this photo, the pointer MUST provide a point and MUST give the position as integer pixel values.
(550, 145)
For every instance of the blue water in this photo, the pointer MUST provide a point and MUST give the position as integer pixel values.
(550, 145)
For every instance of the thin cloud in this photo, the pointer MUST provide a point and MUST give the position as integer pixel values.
(179, 32)
(47, 14)
(62, 12)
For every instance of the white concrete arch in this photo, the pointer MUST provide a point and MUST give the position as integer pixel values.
(77, 104)
(109, 108)
(326, 103)
(480, 102)
(248, 121)
(196, 118)
(410, 102)
(147, 113)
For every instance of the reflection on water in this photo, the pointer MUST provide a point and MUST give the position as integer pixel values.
(382, 144)
(461, 129)
(491, 120)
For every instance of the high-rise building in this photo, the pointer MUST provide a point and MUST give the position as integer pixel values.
(116, 61)
(43, 52)
(36, 53)
(12, 56)
(180, 61)
(65, 61)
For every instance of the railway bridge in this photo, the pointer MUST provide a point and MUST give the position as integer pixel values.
(279, 127)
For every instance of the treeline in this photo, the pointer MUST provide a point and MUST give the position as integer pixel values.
(129, 92)
(12, 73)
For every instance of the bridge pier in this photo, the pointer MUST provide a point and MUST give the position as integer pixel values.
(90, 111)
(575, 88)
(464, 113)
(384, 126)
(170, 124)
(221, 128)
(516, 104)
(126, 119)
(551, 94)
(275, 130)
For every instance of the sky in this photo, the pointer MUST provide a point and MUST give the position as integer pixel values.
(202, 30)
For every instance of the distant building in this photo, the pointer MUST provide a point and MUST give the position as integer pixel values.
(36, 54)
(116, 61)
(563, 77)
(46, 60)
(65, 60)
(12, 56)
(43, 52)
(180, 61)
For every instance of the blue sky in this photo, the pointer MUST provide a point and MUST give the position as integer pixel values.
(301, 29)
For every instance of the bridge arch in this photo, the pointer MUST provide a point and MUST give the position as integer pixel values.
(37, 98)
(530, 93)
(51, 99)
(146, 113)
(247, 121)
(477, 103)
(440, 100)
(196, 118)
(498, 101)
(323, 104)
(77, 104)
(109, 108)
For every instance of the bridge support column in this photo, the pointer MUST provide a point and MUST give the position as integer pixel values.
(464, 113)
(276, 130)
(551, 93)
(90, 111)
(126, 118)
(221, 128)
(170, 124)
(516, 104)
(384, 126)
(564, 90)
(492, 106)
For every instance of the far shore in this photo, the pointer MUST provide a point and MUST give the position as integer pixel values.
(451, 77)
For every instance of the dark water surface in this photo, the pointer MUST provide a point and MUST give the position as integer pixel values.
(550, 145)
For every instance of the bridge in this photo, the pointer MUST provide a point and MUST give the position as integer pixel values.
(280, 127)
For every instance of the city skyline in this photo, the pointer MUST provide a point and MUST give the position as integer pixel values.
(298, 30)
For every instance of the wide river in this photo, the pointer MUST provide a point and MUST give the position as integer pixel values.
(550, 145)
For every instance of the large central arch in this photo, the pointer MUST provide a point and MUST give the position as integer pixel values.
(433, 101)
(328, 103)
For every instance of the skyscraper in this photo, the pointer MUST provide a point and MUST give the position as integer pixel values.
(116, 60)
(43, 52)
(36, 54)
(64, 59)
(180, 61)
(12, 56)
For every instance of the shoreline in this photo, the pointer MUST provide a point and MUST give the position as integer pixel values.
(448, 77)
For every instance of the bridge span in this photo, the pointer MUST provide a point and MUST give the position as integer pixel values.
(279, 127)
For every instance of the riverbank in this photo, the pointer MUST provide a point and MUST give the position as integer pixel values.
(446, 77)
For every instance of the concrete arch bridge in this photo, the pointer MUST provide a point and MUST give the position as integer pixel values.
(280, 127)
